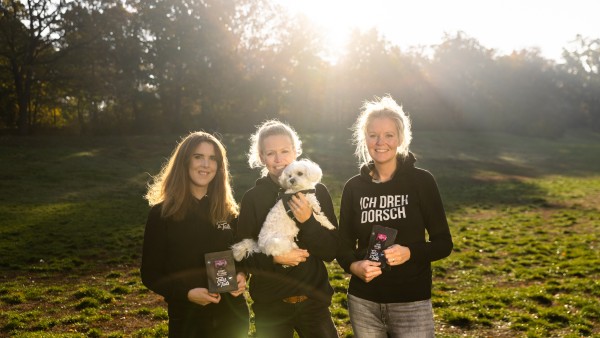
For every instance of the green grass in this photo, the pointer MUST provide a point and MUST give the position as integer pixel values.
(524, 213)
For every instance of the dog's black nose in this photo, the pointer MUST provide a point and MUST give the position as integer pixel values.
(292, 180)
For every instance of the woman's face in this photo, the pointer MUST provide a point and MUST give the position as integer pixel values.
(203, 168)
(382, 140)
(277, 152)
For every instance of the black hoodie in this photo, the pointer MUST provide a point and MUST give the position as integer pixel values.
(410, 202)
(271, 281)
(173, 251)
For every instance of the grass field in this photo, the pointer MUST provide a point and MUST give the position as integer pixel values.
(524, 213)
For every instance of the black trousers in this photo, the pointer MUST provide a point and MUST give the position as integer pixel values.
(227, 319)
(311, 319)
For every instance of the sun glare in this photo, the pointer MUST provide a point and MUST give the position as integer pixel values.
(334, 18)
(504, 25)
(409, 22)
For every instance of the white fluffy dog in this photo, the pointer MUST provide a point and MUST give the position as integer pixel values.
(279, 230)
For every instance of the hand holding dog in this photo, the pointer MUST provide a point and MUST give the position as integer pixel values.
(366, 270)
(292, 258)
(202, 297)
(300, 207)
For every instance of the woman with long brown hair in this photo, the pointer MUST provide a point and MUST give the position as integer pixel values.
(193, 213)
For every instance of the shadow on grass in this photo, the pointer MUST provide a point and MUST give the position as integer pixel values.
(68, 205)
(75, 202)
(462, 185)
(66, 236)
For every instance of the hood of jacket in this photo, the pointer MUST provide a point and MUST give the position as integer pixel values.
(402, 164)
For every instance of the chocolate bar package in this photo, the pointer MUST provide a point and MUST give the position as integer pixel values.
(381, 238)
(220, 268)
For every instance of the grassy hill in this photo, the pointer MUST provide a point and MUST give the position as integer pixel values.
(524, 213)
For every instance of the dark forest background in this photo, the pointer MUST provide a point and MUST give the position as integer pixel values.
(98, 67)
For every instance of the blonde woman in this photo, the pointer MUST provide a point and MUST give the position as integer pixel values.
(289, 292)
(390, 191)
(193, 213)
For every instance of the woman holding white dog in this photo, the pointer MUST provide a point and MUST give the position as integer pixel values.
(390, 191)
(193, 213)
(291, 292)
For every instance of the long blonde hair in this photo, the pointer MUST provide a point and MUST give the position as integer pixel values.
(172, 186)
(381, 107)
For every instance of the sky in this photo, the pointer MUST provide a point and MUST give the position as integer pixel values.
(504, 25)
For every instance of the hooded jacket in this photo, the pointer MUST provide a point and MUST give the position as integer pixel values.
(271, 281)
(410, 203)
(173, 251)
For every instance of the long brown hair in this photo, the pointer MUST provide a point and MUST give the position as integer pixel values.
(172, 186)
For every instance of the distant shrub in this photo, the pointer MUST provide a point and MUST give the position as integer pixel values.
(591, 312)
(95, 293)
(69, 320)
(44, 325)
(144, 311)
(13, 324)
(160, 330)
(160, 314)
(458, 319)
(113, 275)
(120, 290)
(14, 298)
(541, 299)
(88, 292)
(555, 316)
(94, 333)
(86, 303)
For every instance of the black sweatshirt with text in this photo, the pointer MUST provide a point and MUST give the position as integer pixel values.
(273, 282)
(410, 202)
(173, 251)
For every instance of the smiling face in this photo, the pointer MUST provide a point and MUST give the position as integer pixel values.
(202, 168)
(382, 140)
(277, 152)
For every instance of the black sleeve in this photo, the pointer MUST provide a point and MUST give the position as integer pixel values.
(318, 240)
(154, 270)
(440, 240)
(346, 251)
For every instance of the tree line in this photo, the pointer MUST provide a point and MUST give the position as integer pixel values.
(148, 66)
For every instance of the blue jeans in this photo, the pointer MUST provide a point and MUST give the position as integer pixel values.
(397, 320)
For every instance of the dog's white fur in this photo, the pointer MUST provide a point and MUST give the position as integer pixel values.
(278, 232)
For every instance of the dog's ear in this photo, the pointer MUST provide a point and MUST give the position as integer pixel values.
(313, 171)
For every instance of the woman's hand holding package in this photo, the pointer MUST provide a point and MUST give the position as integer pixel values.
(397, 254)
(202, 297)
(366, 270)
